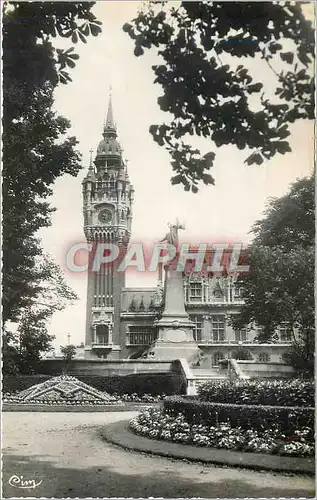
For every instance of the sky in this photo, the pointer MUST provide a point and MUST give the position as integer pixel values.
(225, 211)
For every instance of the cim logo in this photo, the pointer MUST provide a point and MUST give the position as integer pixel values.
(21, 483)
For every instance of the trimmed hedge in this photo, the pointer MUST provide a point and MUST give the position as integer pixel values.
(139, 383)
(258, 417)
(17, 383)
(260, 392)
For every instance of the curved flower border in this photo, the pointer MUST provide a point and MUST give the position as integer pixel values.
(156, 424)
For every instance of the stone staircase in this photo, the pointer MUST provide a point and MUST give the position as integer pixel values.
(202, 375)
(209, 373)
(195, 376)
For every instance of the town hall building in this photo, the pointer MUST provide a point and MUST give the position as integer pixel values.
(121, 321)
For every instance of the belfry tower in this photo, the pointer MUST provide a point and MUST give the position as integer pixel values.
(107, 202)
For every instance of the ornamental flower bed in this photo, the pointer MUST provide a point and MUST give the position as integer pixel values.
(136, 398)
(293, 392)
(53, 402)
(62, 390)
(157, 424)
(13, 398)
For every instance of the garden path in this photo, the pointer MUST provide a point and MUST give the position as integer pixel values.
(65, 452)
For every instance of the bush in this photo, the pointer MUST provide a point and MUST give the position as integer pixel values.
(256, 417)
(138, 384)
(17, 383)
(260, 392)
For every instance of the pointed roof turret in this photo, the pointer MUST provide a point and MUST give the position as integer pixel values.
(109, 146)
(91, 170)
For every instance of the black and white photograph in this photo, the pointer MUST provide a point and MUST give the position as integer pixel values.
(158, 249)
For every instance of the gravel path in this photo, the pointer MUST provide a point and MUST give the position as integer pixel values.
(65, 452)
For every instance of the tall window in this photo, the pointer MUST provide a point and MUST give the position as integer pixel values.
(198, 326)
(284, 332)
(218, 293)
(241, 335)
(141, 334)
(218, 328)
(237, 292)
(195, 292)
(102, 334)
(264, 357)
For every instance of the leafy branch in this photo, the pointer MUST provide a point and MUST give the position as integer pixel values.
(209, 98)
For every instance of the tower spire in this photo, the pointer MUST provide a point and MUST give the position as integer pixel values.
(91, 167)
(110, 124)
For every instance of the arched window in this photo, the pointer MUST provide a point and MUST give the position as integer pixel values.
(264, 357)
(218, 356)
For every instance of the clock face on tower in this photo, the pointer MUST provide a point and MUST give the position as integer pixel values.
(105, 216)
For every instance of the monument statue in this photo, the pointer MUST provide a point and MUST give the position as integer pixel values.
(172, 237)
(175, 338)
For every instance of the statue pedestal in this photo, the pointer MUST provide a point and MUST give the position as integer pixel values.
(175, 337)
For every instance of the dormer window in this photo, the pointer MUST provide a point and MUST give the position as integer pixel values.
(195, 292)
(218, 293)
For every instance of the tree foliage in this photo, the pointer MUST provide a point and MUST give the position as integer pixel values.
(68, 352)
(208, 89)
(36, 149)
(23, 348)
(29, 342)
(300, 355)
(290, 220)
(279, 288)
